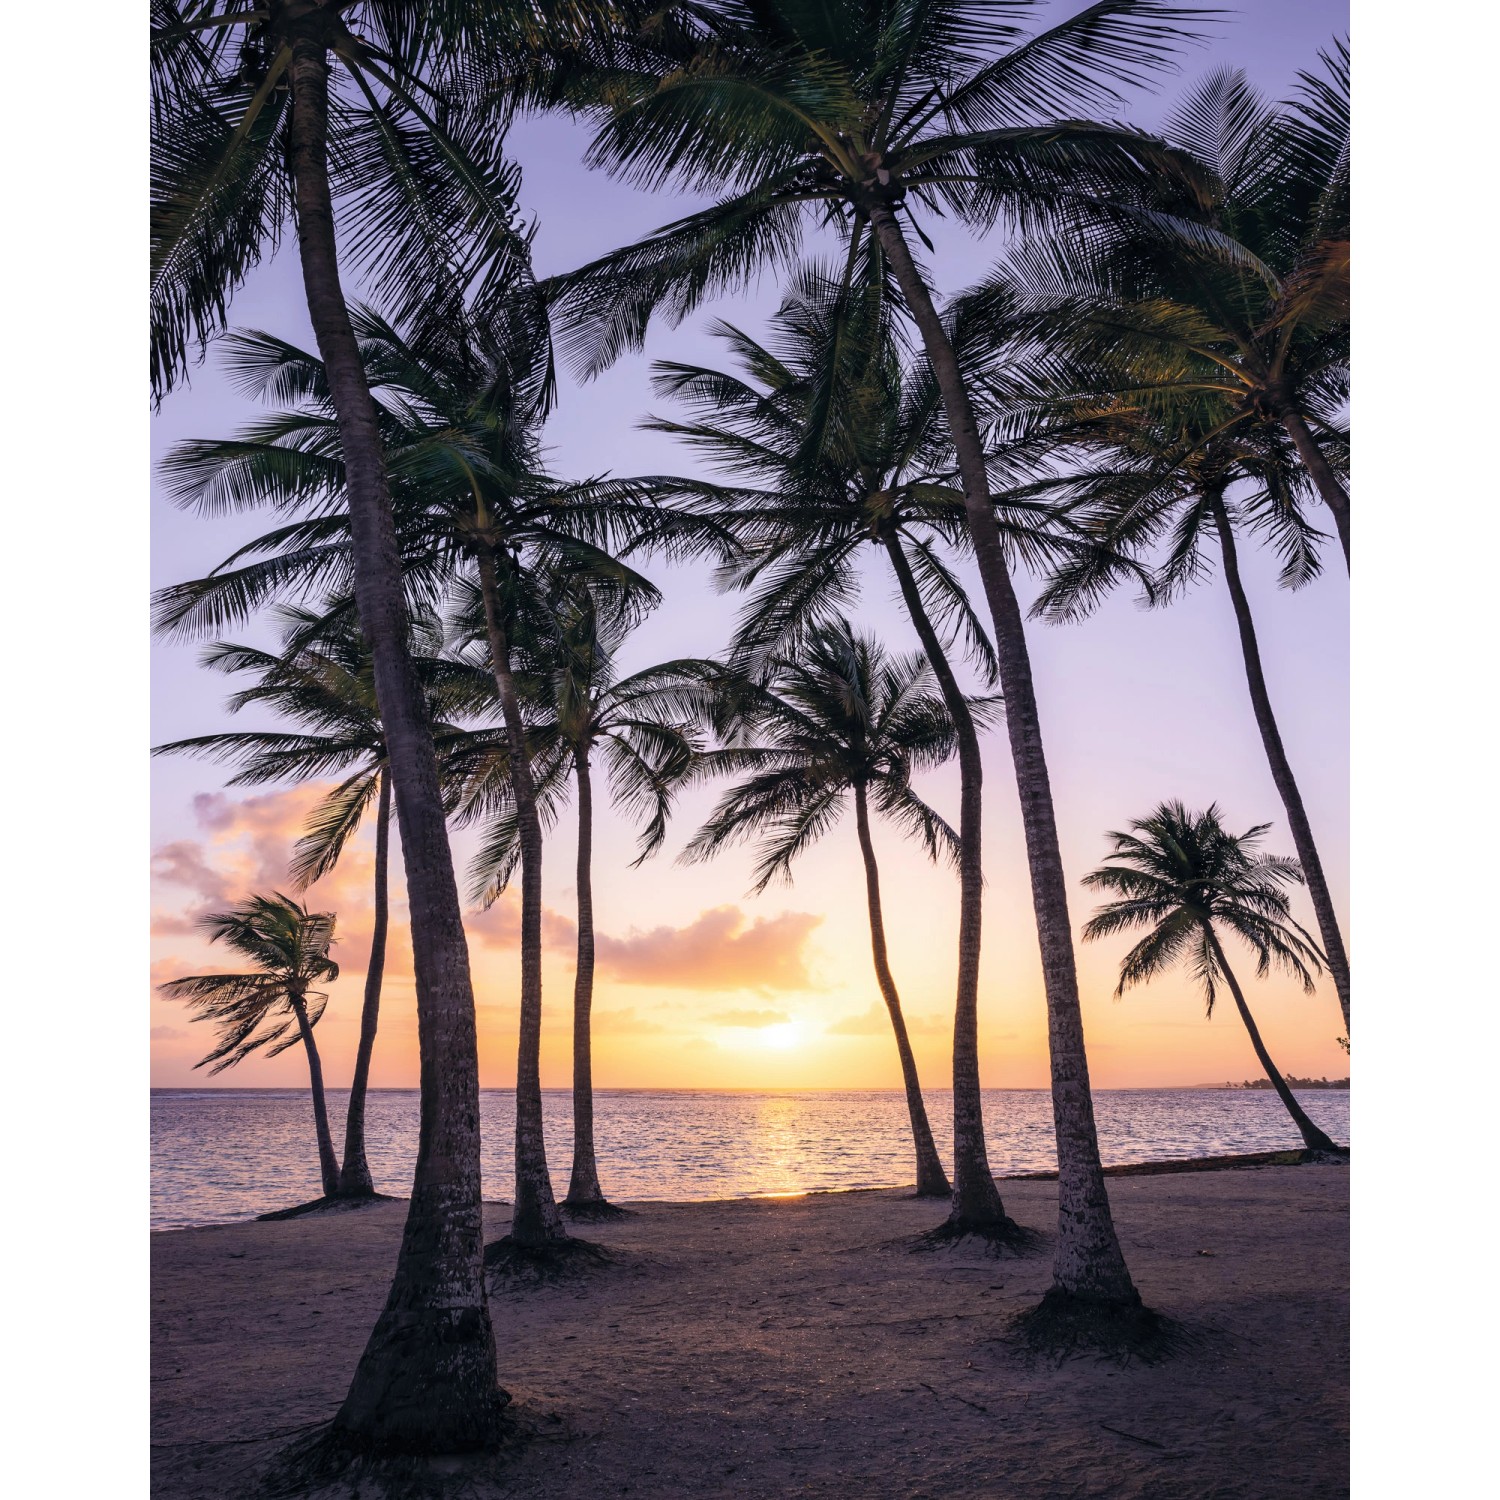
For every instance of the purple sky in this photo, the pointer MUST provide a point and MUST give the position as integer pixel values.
(1136, 706)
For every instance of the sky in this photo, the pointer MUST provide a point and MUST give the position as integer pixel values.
(700, 985)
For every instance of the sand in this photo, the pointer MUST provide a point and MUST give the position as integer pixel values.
(787, 1348)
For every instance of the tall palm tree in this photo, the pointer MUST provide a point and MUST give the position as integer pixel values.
(243, 106)
(831, 445)
(323, 680)
(1148, 483)
(843, 721)
(1221, 288)
(644, 728)
(1184, 876)
(275, 1006)
(477, 519)
(851, 116)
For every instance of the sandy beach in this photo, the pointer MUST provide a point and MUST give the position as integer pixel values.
(789, 1347)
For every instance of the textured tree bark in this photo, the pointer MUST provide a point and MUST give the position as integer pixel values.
(1281, 770)
(583, 1185)
(976, 1199)
(354, 1175)
(1088, 1262)
(932, 1181)
(535, 1218)
(1320, 471)
(327, 1161)
(1312, 1137)
(426, 1380)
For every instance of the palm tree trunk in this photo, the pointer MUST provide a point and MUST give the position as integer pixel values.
(535, 1219)
(327, 1161)
(976, 1199)
(1088, 1262)
(1312, 1137)
(1320, 471)
(1281, 770)
(426, 1379)
(583, 1186)
(932, 1181)
(354, 1176)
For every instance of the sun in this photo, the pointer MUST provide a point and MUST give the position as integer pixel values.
(782, 1038)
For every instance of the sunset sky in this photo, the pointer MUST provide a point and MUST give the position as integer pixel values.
(698, 984)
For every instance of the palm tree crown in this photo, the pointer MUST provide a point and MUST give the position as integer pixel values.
(1182, 874)
(289, 947)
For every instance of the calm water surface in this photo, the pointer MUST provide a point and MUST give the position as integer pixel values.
(224, 1154)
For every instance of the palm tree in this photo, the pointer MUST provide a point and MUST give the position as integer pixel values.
(477, 520)
(830, 445)
(842, 721)
(1150, 483)
(1221, 289)
(643, 727)
(851, 116)
(242, 108)
(1184, 876)
(275, 1006)
(323, 680)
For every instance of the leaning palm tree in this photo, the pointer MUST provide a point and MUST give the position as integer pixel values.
(299, 108)
(844, 721)
(644, 727)
(323, 680)
(851, 116)
(274, 1006)
(1184, 876)
(827, 444)
(478, 520)
(1144, 485)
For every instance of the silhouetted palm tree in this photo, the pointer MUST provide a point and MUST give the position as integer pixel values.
(843, 721)
(643, 727)
(261, 116)
(275, 1005)
(324, 681)
(830, 445)
(1184, 876)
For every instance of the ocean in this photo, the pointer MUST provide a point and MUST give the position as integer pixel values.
(218, 1155)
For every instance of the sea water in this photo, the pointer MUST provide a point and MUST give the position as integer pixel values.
(223, 1154)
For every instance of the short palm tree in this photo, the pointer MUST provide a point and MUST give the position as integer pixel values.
(644, 727)
(323, 680)
(843, 721)
(855, 117)
(1185, 877)
(306, 110)
(275, 1006)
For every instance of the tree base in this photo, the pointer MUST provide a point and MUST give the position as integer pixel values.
(1064, 1325)
(327, 1462)
(594, 1211)
(994, 1237)
(338, 1203)
(514, 1264)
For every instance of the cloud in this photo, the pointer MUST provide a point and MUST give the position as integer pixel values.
(877, 1022)
(715, 951)
(500, 926)
(751, 1019)
(182, 863)
(167, 1033)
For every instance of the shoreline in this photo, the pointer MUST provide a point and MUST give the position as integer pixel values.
(1166, 1166)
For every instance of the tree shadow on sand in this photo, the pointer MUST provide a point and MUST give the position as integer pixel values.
(335, 1205)
(513, 1266)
